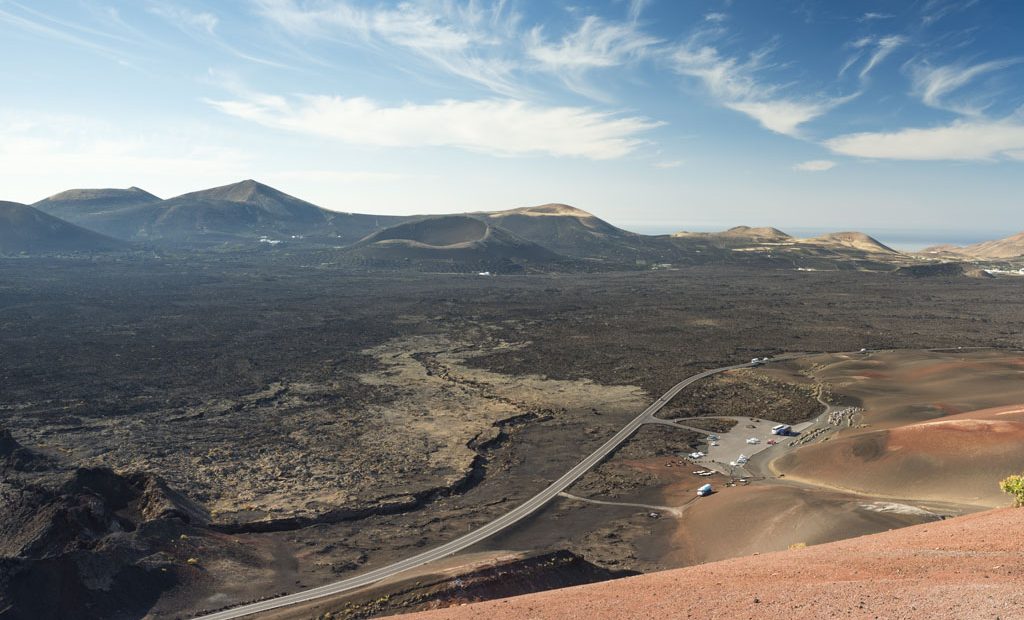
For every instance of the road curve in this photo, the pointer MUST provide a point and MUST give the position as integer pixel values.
(508, 519)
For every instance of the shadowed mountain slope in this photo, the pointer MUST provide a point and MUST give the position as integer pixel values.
(239, 212)
(456, 238)
(29, 230)
(115, 212)
(247, 212)
(573, 232)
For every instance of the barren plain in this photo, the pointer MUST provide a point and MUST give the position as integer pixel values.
(322, 421)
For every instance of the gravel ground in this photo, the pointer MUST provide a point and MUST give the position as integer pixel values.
(968, 567)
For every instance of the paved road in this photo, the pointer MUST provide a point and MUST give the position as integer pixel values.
(508, 519)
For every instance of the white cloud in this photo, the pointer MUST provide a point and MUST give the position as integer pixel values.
(636, 7)
(781, 115)
(495, 126)
(595, 44)
(884, 47)
(462, 39)
(934, 84)
(735, 85)
(185, 18)
(815, 165)
(934, 10)
(874, 16)
(38, 24)
(715, 18)
(668, 165)
(961, 140)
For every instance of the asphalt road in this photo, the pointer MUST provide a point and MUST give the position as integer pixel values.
(508, 519)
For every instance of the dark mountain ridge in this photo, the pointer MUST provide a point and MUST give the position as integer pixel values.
(24, 229)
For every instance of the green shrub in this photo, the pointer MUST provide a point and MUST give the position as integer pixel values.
(1014, 485)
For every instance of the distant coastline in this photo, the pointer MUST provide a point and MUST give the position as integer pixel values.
(902, 240)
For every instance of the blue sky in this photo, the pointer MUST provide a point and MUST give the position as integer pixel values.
(656, 115)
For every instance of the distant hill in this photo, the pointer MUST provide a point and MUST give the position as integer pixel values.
(247, 212)
(75, 201)
(454, 238)
(247, 209)
(854, 240)
(239, 212)
(24, 229)
(115, 212)
(771, 247)
(576, 233)
(1008, 247)
(740, 233)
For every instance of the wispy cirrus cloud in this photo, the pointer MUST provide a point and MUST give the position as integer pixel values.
(636, 7)
(185, 18)
(884, 46)
(495, 126)
(934, 84)
(464, 39)
(736, 85)
(934, 10)
(871, 16)
(30, 21)
(875, 49)
(202, 25)
(596, 44)
(971, 137)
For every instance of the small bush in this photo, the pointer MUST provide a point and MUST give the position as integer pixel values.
(799, 545)
(1014, 485)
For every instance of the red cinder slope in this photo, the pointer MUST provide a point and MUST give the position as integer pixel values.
(968, 567)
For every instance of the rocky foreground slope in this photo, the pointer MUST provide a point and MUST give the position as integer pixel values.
(968, 567)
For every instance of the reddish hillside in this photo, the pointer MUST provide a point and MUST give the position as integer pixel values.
(968, 567)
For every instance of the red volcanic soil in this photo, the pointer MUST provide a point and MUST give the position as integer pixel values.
(957, 458)
(968, 567)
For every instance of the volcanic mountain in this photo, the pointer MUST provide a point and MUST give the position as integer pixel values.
(771, 246)
(573, 232)
(853, 240)
(740, 233)
(1008, 247)
(243, 211)
(29, 230)
(114, 212)
(457, 238)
